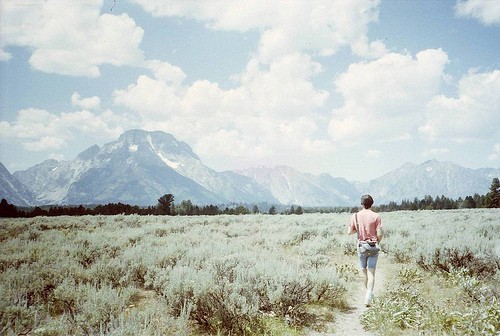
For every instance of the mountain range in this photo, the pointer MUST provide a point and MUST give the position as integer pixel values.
(141, 166)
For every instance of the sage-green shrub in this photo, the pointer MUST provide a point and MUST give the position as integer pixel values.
(222, 274)
(158, 275)
(454, 253)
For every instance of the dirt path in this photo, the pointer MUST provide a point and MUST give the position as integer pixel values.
(347, 322)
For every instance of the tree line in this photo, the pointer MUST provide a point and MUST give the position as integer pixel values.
(490, 200)
(167, 206)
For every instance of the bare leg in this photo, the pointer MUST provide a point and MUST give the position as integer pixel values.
(370, 283)
(365, 275)
(370, 279)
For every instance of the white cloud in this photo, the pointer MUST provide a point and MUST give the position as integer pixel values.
(435, 152)
(41, 130)
(384, 99)
(45, 143)
(274, 109)
(91, 103)
(486, 11)
(90, 123)
(285, 88)
(154, 99)
(233, 145)
(472, 115)
(32, 123)
(70, 37)
(286, 26)
(4, 56)
(166, 72)
(495, 155)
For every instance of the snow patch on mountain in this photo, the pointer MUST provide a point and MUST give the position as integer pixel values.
(173, 164)
(133, 148)
(168, 162)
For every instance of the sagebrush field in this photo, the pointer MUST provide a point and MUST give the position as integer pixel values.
(245, 275)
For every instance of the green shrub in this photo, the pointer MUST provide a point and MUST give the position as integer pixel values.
(401, 255)
(473, 308)
(402, 308)
(409, 275)
(100, 307)
(349, 248)
(152, 319)
(446, 259)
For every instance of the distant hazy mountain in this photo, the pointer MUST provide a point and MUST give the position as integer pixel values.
(137, 169)
(141, 166)
(12, 190)
(289, 186)
(432, 178)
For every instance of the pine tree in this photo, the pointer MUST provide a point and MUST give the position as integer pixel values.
(165, 204)
(469, 203)
(493, 197)
(255, 209)
(7, 210)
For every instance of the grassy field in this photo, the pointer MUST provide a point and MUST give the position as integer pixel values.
(245, 275)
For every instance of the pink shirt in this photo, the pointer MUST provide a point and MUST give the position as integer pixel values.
(368, 222)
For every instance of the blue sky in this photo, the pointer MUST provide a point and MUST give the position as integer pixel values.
(351, 88)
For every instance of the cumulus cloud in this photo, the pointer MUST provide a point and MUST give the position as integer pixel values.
(91, 103)
(70, 37)
(154, 99)
(273, 109)
(486, 11)
(285, 88)
(166, 72)
(384, 99)
(470, 116)
(41, 130)
(321, 27)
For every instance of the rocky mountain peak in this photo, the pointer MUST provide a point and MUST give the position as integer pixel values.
(140, 166)
(89, 153)
(157, 141)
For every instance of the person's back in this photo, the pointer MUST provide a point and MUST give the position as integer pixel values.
(368, 225)
(368, 222)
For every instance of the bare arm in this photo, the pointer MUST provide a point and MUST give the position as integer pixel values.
(350, 230)
(380, 234)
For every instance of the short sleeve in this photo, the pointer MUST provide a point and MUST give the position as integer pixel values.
(352, 223)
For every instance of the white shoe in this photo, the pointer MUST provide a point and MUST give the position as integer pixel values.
(368, 298)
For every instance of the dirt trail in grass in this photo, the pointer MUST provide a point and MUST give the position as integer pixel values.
(348, 322)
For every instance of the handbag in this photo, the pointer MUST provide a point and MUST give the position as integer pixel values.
(366, 248)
